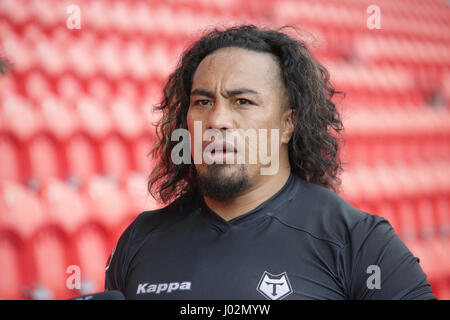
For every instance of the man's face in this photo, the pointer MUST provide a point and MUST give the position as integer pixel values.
(234, 90)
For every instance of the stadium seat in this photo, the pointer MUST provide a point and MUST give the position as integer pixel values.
(115, 156)
(19, 52)
(19, 118)
(11, 266)
(50, 256)
(64, 206)
(100, 89)
(92, 250)
(20, 209)
(434, 258)
(68, 88)
(127, 119)
(60, 120)
(135, 60)
(94, 118)
(37, 86)
(45, 13)
(96, 16)
(44, 158)
(407, 220)
(80, 55)
(109, 205)
(426, 218)
(108, 57)
(11, 166)
(442, 206)
(136, 187)
(82, 157)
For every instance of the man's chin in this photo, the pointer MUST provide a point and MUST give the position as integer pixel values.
(223, 182)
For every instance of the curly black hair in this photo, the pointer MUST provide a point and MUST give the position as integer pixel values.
(313, 147)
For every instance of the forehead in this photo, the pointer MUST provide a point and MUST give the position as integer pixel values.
(237, 67)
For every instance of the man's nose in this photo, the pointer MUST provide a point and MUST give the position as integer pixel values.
(220, 116)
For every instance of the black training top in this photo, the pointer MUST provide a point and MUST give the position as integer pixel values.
(305, 242)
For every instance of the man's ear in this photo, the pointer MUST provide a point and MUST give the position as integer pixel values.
(288, 122)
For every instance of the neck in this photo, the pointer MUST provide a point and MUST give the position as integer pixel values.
(251, 198)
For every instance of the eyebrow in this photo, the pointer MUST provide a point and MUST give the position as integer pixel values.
(235, 92)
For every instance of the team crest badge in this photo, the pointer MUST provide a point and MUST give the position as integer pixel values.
(274, 287)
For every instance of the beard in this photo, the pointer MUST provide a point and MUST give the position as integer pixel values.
(223, 182)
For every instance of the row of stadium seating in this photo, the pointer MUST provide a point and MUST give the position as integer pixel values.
(417, 19)
(420, 18)
(113, 57)
(161, 16)
(44, 157)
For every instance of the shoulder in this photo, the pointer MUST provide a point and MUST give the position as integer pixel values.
(160, 219)
(324, 214)
(145, 224)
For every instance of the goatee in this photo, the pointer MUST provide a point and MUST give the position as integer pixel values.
(218, 184)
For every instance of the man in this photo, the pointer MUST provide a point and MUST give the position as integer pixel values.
(237, 230)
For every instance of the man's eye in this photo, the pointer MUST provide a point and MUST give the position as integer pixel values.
(202, 102)
(243, 101)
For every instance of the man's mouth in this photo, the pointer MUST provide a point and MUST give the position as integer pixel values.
(219, 152)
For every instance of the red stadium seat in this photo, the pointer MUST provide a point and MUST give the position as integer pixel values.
(11, 166)
(407, 220)
(92, 250)
(51, 57)
(426, 218)
(20, 209)
(135, 60)
(37, 86)
(82, 157)
(50, 256)
(44, 158)
(18, 51)
(81, 52)
(95, 16)
(434, 260)
(19, 117)
(60, 120)
(64, 206)
(94, 118)
(115, 156)
(108, 203)
(11, 266)
(99, 88)
(136, 187)
(128, 121)
(442, 206)
(68, 88)
(108, 56)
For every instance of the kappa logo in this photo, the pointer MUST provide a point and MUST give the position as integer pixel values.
(162, 287)
(274, 287)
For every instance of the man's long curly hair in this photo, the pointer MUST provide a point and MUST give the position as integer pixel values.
(313, 147)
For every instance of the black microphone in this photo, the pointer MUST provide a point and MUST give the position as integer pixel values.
(107, 295)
